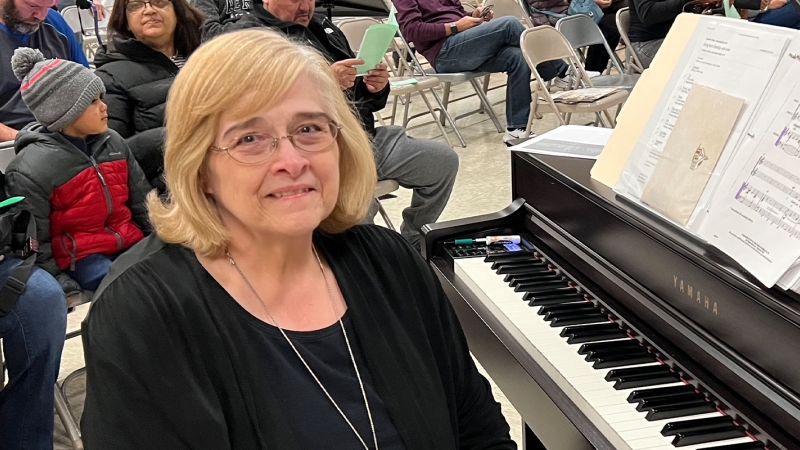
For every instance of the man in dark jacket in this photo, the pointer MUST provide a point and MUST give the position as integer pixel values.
(427, 167)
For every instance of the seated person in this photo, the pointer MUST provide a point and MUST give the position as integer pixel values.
(222, 15)
(427, 167)
(29, 23)
(291, 326)
(33, 334)
(78, 178)
(780, 13)
(454, 41)
(151, 42)
(650, 23)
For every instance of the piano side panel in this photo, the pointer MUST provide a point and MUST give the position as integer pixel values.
(542, 405)
(723, 311)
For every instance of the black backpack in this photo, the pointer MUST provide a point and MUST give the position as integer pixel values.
(17, 238)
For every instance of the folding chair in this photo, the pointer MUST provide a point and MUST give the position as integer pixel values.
(512, 8)
(545, 43)
(383, 189)
(581, 32)
(82, 22)
(354, 30)
(632, 61)
(447, 80)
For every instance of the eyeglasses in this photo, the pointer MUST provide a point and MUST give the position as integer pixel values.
(255, 148)
(136, 6)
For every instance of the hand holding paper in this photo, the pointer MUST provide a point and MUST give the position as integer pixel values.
(378, 78)
(345, 71)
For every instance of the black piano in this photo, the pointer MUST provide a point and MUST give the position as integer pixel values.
(613, 329)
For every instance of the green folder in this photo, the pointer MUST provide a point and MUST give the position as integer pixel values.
(730, 10)
(374, 46)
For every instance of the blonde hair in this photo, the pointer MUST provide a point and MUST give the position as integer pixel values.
(221, 73)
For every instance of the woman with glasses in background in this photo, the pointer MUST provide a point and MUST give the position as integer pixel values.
(150, 42)
(259, 315)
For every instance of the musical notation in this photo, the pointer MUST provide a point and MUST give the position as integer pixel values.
(775, 212)
(789, 139)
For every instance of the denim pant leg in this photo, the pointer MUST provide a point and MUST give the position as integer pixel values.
(427, 167)
(33, 337)
(786, 16)
(91, 270)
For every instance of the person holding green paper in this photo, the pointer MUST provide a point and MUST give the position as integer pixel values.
(427, 167)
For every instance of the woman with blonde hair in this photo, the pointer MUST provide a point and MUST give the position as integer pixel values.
(260, 315)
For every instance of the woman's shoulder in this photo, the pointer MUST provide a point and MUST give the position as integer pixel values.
(374, 240)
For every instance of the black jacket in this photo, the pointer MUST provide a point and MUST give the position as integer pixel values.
(652, 19)
(137, 80)
(328, 40)
(169, 365)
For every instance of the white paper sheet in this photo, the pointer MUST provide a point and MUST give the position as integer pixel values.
(568, 140)
(739, 61)
(757, 222)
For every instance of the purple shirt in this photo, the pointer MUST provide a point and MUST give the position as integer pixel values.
(422, 22)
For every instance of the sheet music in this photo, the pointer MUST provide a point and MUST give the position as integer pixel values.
(722, 50)
(758, 222)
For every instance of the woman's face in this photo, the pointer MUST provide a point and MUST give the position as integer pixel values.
(152, 23)
(290, 192)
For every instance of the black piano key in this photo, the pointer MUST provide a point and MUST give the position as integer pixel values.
(528, 287)
(581, 338)
(576, 306)
(509, 257)
(554, 288)
(518, 265)
(581, 312)
(703, 437)
(636, 371)
(518, 262)
(642, 394)
(645, 380)
(514, 280)
(589, 329)
(621, 351)
(623, 360)
(525, 270)
(578, 319)
(595, 346)
(674, 400)
(551, 293)
(756, 445)
(685, 426)
(671, 412)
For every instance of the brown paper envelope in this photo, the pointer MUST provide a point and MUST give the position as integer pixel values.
(691, 153)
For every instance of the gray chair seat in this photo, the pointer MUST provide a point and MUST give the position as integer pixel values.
(627, 82)
(457, 77)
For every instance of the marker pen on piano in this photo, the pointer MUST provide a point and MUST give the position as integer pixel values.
(488, 240)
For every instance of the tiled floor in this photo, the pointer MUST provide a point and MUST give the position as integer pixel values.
(483, 185)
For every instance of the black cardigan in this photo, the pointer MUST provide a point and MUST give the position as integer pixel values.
(168, 368)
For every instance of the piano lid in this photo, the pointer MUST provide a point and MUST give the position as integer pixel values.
(747, 336)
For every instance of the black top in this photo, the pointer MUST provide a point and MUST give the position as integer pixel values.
(170, 365)
(314, 420)
(652, 19)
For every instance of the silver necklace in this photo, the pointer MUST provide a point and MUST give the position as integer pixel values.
(313, 375)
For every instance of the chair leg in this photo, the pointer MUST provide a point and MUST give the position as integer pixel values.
(446, 114)
(445, 101)
(486, 104)
(385, 216)
(405, 110)
(62, 408)
(529, 126)
(433, 113)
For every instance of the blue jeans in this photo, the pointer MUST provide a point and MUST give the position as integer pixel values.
(494, 47)
(785, 16)
(91, 270)
(33, 338)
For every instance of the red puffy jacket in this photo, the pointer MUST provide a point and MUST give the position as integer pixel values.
(82, 204)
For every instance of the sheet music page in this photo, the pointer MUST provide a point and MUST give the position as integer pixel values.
(757, 222)
(737, 60)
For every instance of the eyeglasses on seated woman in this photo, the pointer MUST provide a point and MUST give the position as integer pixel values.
(260, 315)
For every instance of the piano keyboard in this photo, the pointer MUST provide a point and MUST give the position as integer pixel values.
(633, 397)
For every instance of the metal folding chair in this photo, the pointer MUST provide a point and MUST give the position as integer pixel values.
(545, 43)
(632, 61)
(382, 189)
(82, 22)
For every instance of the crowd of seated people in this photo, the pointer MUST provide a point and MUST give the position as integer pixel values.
(91, 145)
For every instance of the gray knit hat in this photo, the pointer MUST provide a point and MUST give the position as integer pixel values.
(56, 91)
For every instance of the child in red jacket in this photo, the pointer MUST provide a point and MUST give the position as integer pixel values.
(79, 178)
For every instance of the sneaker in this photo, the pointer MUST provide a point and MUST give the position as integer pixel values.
(568, 80)
(512, 135)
